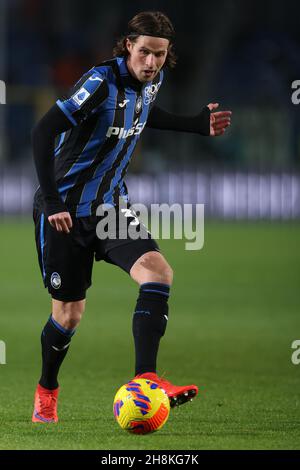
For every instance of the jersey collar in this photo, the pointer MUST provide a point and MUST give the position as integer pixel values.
(127, 78)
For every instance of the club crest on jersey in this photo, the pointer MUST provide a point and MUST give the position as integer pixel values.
(55, 280)
(150, 92)
(138, 105)
(81, 96)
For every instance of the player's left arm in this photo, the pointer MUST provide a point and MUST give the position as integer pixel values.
(207, 122)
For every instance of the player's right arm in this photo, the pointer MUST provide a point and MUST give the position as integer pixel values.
(84, 100)
(43, 140)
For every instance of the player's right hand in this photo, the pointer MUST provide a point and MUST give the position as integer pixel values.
(62, 222)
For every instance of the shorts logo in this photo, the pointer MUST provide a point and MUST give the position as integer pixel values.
(55, 280)
(81, 96)
(138, 105)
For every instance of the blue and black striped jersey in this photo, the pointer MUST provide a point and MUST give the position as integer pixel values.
(108, 110)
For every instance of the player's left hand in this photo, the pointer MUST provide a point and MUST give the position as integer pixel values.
(219, 121)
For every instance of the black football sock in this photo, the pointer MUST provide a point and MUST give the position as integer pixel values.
(149, 324)
(55, 344)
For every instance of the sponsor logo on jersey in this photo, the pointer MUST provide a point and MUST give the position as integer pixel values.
(122, 133)
(55, 280)
(150, 92)
(81, 96)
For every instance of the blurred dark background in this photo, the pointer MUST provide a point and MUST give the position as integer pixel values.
(244, 55)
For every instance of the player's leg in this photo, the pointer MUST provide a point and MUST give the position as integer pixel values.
(66, 266)
(56, 339)
(141, 259)
(68, 314)
(154, 276)
(145, 264)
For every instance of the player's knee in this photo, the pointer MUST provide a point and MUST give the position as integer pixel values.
(152, 267)
(167, 275)
(68, 314)
(73, 312)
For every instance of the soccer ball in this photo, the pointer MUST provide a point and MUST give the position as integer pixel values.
(141, 406)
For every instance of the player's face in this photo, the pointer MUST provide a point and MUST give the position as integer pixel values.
(147, 56)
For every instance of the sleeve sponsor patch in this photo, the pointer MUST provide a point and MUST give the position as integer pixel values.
(80, 96)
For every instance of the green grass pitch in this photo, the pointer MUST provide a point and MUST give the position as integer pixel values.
(234, 313)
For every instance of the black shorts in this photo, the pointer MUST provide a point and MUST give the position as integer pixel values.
(66, 260)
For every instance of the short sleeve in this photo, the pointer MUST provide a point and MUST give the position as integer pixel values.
(85, 97)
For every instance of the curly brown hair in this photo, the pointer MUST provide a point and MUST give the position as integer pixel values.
(148, 23)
